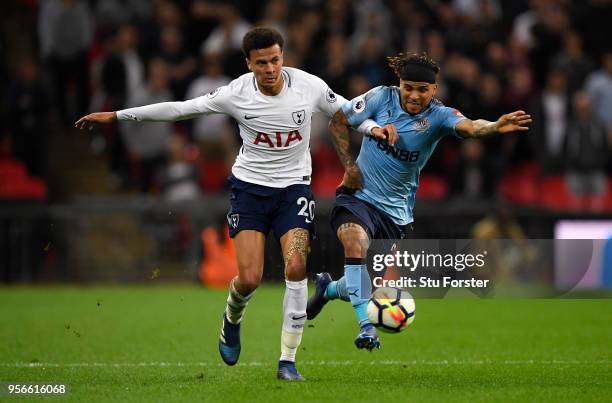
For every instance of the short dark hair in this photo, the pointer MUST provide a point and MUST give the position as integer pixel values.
(399, 62)
(261, 38)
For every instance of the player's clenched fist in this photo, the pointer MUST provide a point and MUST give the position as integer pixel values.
(88, 121)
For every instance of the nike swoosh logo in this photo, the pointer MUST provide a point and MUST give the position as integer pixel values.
(298, 317)
(247, 117)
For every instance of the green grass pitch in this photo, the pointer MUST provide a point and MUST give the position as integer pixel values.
(159, 343)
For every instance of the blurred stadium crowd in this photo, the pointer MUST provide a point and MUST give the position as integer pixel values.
(60, 59)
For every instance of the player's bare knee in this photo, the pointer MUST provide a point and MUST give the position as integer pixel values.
(295, 269)
(246, 287)
(354, 240)
(249, 280)
(296, 255)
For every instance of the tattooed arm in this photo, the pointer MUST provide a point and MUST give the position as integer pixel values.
(339, 127)
(515, 121)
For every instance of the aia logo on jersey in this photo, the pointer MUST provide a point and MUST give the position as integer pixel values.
(299, 116)
(422, 125)
(457, 113)
(278, 139)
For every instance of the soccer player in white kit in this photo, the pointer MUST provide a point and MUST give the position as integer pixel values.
(273, 106)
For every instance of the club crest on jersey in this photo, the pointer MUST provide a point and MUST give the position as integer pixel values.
(299, 116)
(213, 93)
(233, 220)
(330, 96)
(422, 125)
(359, 105)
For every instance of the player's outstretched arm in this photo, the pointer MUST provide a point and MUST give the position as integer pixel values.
(517, 121)
(88, 121)
(160, 112)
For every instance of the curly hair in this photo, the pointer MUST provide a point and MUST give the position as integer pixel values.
(261, 38)
(401, 60)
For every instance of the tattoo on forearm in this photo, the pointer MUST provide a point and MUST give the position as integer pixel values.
(339, 128)
(484, 128)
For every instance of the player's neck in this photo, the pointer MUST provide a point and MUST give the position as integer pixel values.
(273, 90)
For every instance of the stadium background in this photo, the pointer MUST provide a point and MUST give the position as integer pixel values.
(102, 233)
(142, 202)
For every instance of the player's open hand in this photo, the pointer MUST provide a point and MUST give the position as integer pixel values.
(89, 121)
(517, 121)
(387, 132)
(352, 178)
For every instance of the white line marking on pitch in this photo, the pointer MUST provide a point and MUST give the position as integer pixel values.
(156, 364)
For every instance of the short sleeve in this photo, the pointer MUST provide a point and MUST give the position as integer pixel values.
(450, 117)
(365, 106)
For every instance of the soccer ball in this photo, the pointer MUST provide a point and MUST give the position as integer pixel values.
(391, 309)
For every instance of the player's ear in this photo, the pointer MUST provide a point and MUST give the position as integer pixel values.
(248, 63)
(435, 89)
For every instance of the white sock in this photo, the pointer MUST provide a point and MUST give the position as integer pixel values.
(236, 304)
(294, 317)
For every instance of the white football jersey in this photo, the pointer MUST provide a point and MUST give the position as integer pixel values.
(275, 130)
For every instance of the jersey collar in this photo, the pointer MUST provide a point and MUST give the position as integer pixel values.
(286, 84)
